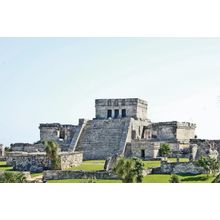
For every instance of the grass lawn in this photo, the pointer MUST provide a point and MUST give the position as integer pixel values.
(91, 165)
(4, 167)
(156, 163)
(33, 175)
(80, 181)
(149, 179)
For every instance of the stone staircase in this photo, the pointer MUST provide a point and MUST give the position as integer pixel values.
(102, 138)
(76, 136)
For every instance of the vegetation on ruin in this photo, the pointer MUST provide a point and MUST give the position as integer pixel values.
(165, 150)
(52, 153)
(210, 165)
(129, 170)
(12, 177)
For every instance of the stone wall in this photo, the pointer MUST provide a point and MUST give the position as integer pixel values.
(178, 168)
(70, 174)
(26, 147)
(38, 162)
(62, 134)
(70, 159)
(172, 130)
(206, 148)
(135, 108)
(144, 149)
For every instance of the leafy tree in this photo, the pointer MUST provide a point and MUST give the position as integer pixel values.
(129, 170)
(164, 150)
(52, 153)
(210, 165)
(13, 177)
(174, 179)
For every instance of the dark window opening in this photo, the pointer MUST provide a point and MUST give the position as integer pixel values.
(123, 113)
(109, 114)
(133, 135)
(116, 113)
(62, 135)
(143, 154)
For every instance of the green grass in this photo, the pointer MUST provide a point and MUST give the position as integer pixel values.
(181, 159)
(151, 164)
(156, 163)
(33, 175)
(91, 165)
(4, 167)
(80, 181)
(157, 178)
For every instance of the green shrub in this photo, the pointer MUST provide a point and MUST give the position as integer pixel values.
(13, 177)
(129, 170)
(174, 179)
(164, 150)
(210, 165)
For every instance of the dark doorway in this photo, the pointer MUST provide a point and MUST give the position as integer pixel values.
(123, 113)
(109, 114)
(116, 113)
(143, 154)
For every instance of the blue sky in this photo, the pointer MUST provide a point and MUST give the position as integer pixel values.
(57, 79)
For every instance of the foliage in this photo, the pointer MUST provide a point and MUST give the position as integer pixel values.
(129, 170)
(174, 179)
(210, 165)
(164, 150)
(13, 177)
(217, 179)
(52, 153)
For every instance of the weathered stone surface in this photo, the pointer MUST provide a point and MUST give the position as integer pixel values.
(71, 159)
(70, 174)
(26, 147)
(111, 162)
(178, 168)
(38, 162)
(145, 149)
(206, 148)
(2, 151)
(103, 138)
(134, 108)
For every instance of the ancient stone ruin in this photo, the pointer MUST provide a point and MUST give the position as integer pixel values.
(122, 127)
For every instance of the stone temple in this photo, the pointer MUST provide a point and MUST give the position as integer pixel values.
(120, 126)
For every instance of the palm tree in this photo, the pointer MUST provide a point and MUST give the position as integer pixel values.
(52, 153)
(129, 170)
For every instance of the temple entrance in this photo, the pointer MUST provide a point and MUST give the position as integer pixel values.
(123, 113)
(116, 113)
(143, 154)
(109, 114)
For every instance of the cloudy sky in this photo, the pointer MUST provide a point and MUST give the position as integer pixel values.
(57, 79)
